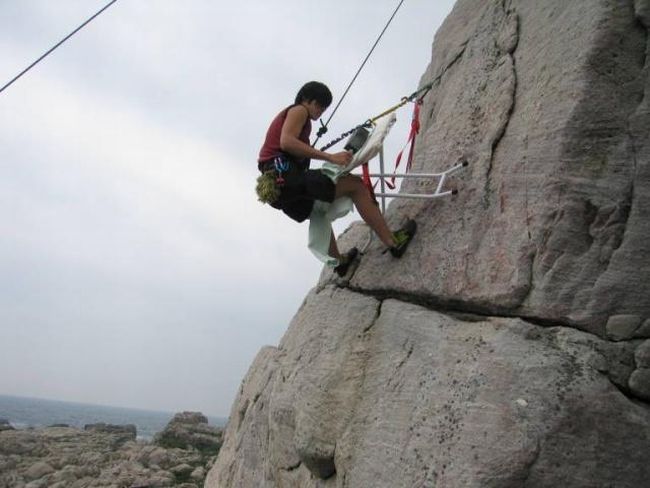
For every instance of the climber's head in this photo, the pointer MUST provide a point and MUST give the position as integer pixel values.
(316, 97)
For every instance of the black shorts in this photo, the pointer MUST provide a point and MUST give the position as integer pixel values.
(300, 189)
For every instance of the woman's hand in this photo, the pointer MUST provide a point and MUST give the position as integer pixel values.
(342, 158)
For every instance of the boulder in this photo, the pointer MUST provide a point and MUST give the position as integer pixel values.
(189, 418)
(644, 330)
(124, 432)
(38, 470)
(640, 383)
(190, 429)
(622, 327)
(198, 474)
(182, 471)
(642, 355)
(5, 425)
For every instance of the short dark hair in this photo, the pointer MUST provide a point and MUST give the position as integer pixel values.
(315, 90)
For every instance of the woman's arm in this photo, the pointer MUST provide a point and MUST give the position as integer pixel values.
(290, 142)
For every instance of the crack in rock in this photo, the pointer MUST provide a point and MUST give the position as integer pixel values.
(374, 321)
(463, 314)
(459, 55)
(528, 469)
(293, 467)
(506, 42)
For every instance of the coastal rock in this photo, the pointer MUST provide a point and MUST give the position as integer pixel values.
(5, 425)
(189, 418)
(122, 433)
(198, 474)
(38, 470)
(182, 471)
(190, 429)
(644, 330)
(622, 327)
(642, 355)
(101, 455)
(640, 383)
(505, 348)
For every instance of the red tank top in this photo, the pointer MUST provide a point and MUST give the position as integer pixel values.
(271, 147)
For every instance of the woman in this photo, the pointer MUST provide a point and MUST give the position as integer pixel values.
(287, 151)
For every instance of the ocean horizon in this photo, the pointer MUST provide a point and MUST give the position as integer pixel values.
(26, 412)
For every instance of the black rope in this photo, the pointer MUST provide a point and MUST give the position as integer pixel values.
(365, 125)
(323, 129)
(57, 45)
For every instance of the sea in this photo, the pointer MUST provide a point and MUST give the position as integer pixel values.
(22, 413)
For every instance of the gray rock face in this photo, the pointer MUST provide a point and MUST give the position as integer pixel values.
(362, 390)
(622, 327)
(548, 102)
(639, 382)
(508, 347)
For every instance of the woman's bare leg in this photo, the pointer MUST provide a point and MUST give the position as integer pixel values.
(353, 187)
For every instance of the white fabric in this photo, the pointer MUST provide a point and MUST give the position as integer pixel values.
(320, 227)
(323, 213)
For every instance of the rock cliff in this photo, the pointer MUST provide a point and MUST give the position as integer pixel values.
(510, 346)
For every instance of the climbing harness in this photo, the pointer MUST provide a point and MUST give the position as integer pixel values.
(281, 166)
(270, 183)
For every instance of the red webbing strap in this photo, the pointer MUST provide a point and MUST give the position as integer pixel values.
(366, 181)
(415, 129)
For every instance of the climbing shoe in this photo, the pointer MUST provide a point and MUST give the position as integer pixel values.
(346, 260)
(402, 238)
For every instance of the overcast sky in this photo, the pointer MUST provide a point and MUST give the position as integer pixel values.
(136, 266)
